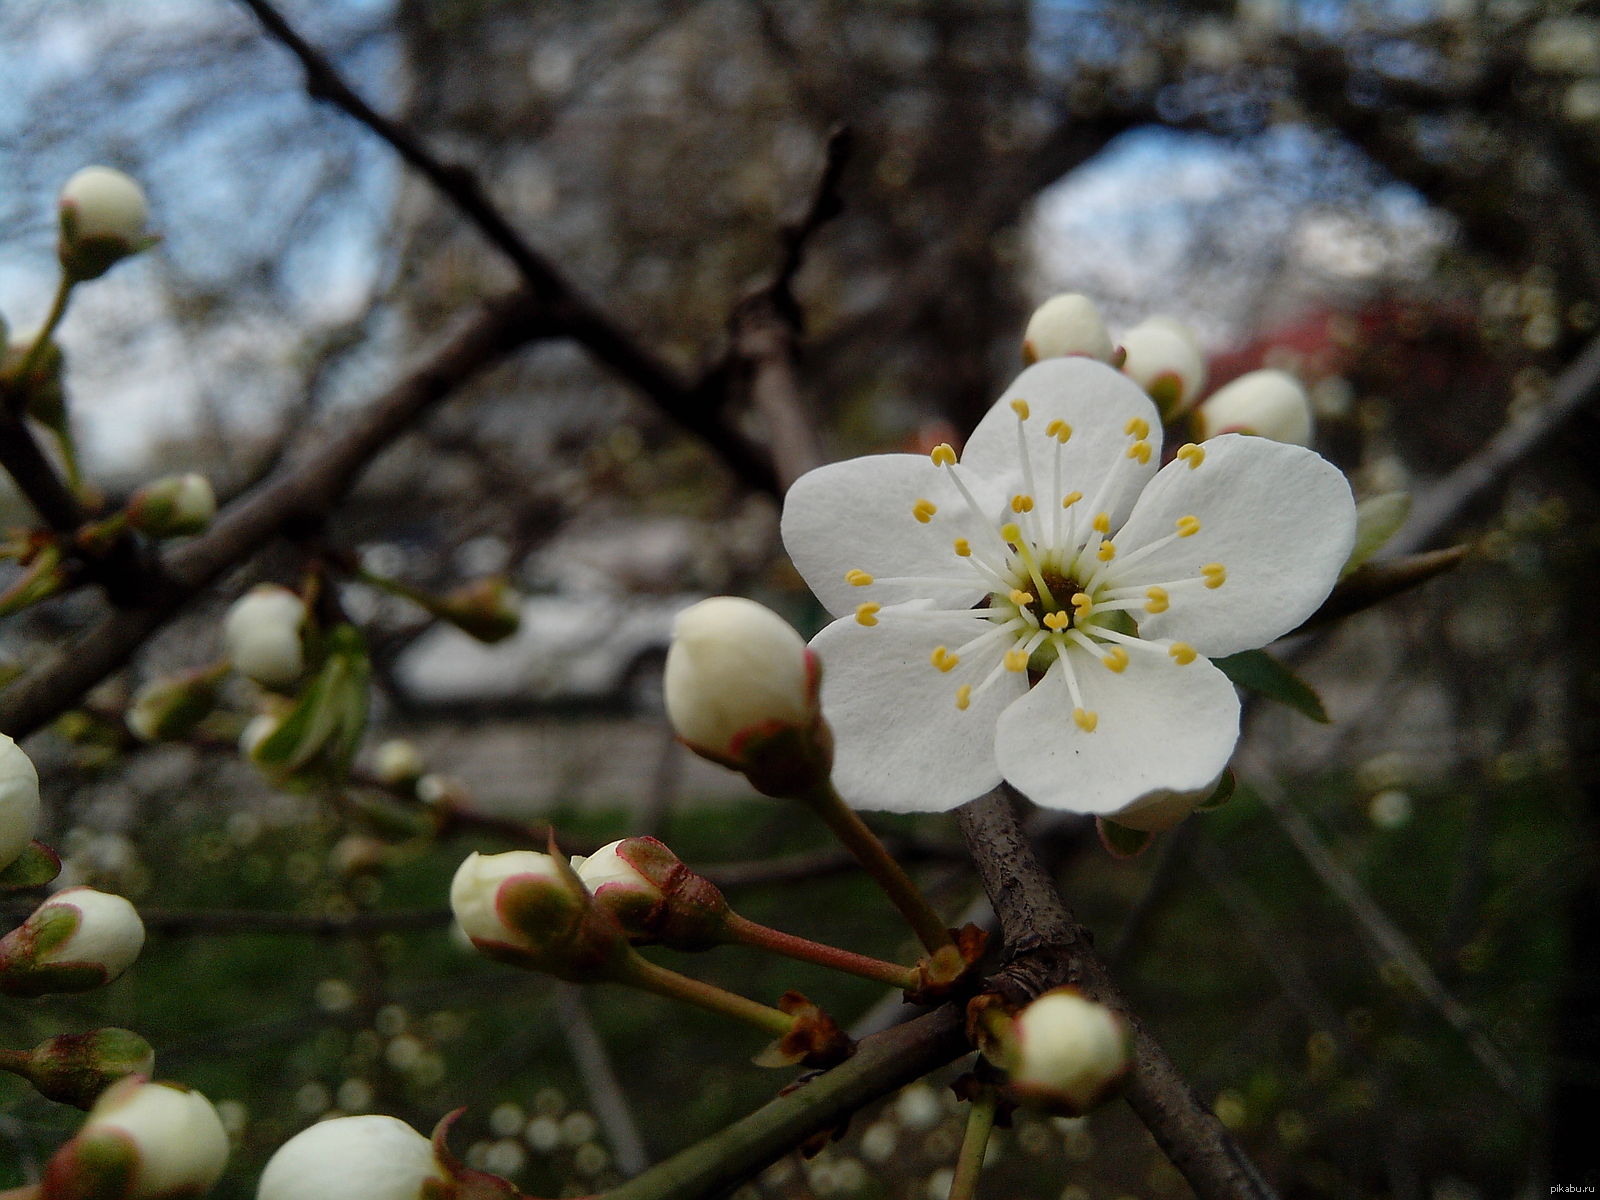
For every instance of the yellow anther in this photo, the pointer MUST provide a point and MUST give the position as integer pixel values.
(1085, 719)
(1056, 621)
(1188, 526)
(963, 696)
(1012, 532)
(856, 577)
(1020, 407)
(1140, 450)
(943, 455)
(923, 510)
(1059, 430)
(963, 548)
(1182, 653)
(1021, 598)
(1070, 499)
(943, 659)
(1192, 454)
(867, 614)
(1083, 602)
(1155, 600)
(1215, 575)
(1016, 660)
(1102, 523)
(1107, 551)
(1116, 660)
(1021, 503)
(1137, 427)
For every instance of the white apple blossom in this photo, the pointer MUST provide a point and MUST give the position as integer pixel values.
(19, 801)
(1043, 610)
(352, 1158)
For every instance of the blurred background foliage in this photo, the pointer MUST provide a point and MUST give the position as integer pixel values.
(1379, 963)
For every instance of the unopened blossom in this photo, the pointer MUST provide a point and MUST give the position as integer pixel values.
(173, 506)
(1266, 403)
(1164, 359)
(352, 1158)
(1064, 1052)
(168, 1139)
(77, 940)
(1042, 609)
(261, 635)
(19, 801)
(1065, 325)
(398, 762)
(103, 215)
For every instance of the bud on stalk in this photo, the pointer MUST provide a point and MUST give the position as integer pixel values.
(141, 1141)
(77, 940)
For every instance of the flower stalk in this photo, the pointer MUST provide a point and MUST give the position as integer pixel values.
(746, 932)
(58, 309)
(974, 1144)
(640, 972)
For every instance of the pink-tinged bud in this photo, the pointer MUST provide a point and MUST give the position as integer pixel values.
(103, 220)
(75, 1068)
(19, 801)
(141, 1141)
(653, 896)
(1064, 326)
(353, 1158)
(261, 635)
(531, 910)
(741, 689)
(77, 940)
(487, 609)
(173, 506)
(1268, 403)
(167, 709)
(1165, 360)
(1063, 1052)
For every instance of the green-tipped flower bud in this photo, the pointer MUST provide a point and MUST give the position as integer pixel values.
(1165, 360)
(1268, 403)
(1063, 1053)
(173, 506)
(487, 609)
(530, 910)
(141, 1141)
(19, 801)
(741, 689)
(103, 218)
(654, 897)
(75, 1068)
(170, 708)
(77, 940)
(1064, 326)
(262, 635)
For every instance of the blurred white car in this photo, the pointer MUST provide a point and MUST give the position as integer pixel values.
(595, 647)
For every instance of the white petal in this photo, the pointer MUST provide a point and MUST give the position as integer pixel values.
(1162, 728)
(901, 744)
(857, 515)
(1097, 402)
(1279, 518)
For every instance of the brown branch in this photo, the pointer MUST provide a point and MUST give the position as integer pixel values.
(296, 497)
(698, 407)
(1046, 948)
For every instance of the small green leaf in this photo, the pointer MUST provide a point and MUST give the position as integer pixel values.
(1378, 518)
(1257, 671)
(36, 866)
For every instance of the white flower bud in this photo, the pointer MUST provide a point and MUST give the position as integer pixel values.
(261, 634)
(1066, 325)
(398, 762)
(172, 1135)
(606, 866)
(735, 666)
(352, 1158)
(1065, 1052)
(257, 730)
(19, 801)
(106, 932)
(103, 220)
(1268, 403)
(173, 506)
(1165, 360)
(476, 887)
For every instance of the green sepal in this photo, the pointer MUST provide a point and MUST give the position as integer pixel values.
(1220, 794)
(1120, 841)
(96, 1165)
(1378, 518)
(36, 866)
(1257, 671)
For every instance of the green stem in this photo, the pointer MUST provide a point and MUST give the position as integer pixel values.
(750, 933)
(58, 309)
(969, 1162)
(852, 831)
(643, 973)
(395, 588)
